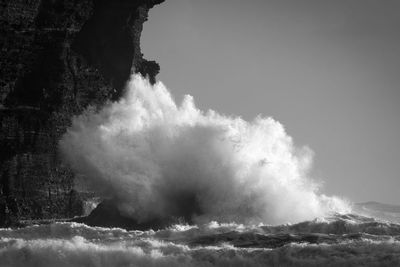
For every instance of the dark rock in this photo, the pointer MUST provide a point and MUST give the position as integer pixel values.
(107, 214)
(57, 57)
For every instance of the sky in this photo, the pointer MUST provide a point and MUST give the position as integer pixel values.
(329, 71)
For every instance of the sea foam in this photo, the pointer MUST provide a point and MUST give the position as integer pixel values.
(213, 244)
(159, 159)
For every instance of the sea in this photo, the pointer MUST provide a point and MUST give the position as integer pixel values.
(247, 189)
(338, 240)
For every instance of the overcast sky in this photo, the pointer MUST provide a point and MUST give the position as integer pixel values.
(327, 70)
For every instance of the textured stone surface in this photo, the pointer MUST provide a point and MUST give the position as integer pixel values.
(56, 58)
(107, 214)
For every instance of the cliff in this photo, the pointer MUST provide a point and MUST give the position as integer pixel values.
(56, 58)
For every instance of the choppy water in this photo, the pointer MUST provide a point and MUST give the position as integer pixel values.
(159, 159)
(342, 240)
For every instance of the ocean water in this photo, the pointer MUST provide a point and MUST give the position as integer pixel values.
(238, 182)
(339, 240)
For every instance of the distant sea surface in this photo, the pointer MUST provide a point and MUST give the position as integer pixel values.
(369, 237)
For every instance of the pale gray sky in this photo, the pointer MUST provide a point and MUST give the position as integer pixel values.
(328, 70)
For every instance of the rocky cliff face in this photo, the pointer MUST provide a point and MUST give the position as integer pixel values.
(56, 58)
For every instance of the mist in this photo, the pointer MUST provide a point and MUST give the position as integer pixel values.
(159, 159)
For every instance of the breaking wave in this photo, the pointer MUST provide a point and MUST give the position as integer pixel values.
(237, 183)
(329, 242)
(159, 160)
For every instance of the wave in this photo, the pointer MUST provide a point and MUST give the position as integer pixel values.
(157, 160)
(349, 240)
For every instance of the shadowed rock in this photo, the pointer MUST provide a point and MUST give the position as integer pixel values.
(57, 57)
(107, 214)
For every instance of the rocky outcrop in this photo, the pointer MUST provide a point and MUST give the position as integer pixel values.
(107, 214)
(56, 58)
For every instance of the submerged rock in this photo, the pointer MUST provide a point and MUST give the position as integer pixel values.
(107, 214)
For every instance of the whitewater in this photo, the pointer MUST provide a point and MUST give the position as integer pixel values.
(157, 159)
(346, 240)
(240, 193)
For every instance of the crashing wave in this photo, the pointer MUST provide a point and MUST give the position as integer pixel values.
(158, 160)
(336, 241)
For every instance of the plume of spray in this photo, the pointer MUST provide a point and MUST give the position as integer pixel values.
(159, 159)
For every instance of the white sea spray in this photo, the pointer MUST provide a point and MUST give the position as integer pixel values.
(160, 159)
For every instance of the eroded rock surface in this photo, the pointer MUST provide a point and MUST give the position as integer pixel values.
(56, 58)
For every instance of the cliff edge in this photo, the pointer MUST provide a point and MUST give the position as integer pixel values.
(56, 58)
